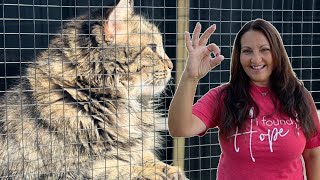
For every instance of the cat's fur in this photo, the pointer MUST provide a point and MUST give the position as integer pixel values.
(84, 109)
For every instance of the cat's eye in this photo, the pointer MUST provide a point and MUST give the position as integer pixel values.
(153, 47)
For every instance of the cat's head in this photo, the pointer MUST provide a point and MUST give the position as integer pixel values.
(142, 66)
(114, 51)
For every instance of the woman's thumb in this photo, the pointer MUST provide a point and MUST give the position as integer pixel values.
(216, 61)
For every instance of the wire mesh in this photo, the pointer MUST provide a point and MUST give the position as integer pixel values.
(28, 26)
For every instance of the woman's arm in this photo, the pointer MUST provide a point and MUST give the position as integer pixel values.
(312, 163)
(181, 121)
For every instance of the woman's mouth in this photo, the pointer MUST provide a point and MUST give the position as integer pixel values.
(257, 67)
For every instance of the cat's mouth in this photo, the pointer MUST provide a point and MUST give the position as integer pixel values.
(156, 83)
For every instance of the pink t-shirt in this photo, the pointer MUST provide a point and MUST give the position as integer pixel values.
(269, 147)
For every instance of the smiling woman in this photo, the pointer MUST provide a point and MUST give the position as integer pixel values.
(256, 58)
(264, 113)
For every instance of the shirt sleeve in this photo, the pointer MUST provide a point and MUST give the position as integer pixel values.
(315, 140)
(207, 108)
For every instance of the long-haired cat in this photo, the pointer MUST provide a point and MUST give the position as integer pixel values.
(83, 110)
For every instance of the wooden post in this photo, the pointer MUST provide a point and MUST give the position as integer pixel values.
(181, 57)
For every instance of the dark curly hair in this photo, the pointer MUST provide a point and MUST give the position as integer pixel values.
(294, 97)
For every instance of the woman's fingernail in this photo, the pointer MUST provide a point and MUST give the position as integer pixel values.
(217, 54)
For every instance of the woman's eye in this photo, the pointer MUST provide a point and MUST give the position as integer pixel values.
(153, 47)
(265, 49)
(246, 51)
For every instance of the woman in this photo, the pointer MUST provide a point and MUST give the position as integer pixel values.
(267, 120)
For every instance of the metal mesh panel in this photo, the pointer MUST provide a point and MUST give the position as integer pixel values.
(27, 26)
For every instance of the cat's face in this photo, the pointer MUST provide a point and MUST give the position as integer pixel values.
(146, 66)
(142, 64)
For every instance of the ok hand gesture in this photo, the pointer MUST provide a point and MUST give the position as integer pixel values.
(200, 61)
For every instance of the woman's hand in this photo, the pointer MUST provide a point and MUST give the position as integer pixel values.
(200, 61)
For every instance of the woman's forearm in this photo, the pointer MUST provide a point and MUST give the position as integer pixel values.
(180, 110)
(199, 63)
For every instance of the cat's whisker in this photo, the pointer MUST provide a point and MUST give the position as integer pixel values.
(169, 87)
(149, 81)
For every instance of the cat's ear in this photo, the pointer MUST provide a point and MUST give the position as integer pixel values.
(116, 22)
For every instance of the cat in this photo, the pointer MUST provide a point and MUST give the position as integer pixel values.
(84, 109)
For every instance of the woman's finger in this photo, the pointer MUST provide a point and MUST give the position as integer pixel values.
(206, 35)
(196, 34)
(216, 61)
(213, 48)
(188, 41)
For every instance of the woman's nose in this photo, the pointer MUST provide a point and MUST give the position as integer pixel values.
(256, 58)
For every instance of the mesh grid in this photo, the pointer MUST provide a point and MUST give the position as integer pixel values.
(27, 26)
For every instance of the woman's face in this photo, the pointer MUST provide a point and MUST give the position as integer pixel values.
(256, 57)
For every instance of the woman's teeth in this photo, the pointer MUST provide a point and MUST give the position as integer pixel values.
(257, 67)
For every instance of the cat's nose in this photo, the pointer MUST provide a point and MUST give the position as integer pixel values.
(170, 65)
